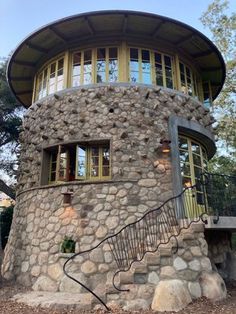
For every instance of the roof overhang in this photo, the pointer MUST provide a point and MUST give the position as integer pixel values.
(70, 32)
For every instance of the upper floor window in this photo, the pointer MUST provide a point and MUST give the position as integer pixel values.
(163, 70)
(50, 79)
(95, 66)
(187, 80)
(86, 161)
(113, 64)
(140, 66)
(207, 94)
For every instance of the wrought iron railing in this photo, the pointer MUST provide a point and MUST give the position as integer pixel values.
(220, 193)
(154, 228)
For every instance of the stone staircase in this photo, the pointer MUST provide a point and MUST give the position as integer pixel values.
(166, 263)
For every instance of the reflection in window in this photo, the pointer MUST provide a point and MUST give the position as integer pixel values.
(81, 162)
(113, 65)
(76, 71)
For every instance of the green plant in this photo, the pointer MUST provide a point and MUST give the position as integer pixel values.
(68, 245)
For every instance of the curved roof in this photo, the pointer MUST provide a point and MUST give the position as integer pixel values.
(72, 31)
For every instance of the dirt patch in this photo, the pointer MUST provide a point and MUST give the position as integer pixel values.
(201, 306)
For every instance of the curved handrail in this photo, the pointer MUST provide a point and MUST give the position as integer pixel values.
(156, 227)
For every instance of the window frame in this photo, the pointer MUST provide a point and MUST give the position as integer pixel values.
(66, 147)
(47, 68)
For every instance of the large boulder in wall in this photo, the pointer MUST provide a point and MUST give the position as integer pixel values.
(171, 295)
(213, 286)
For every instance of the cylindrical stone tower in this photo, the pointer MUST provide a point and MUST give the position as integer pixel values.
(103, 91)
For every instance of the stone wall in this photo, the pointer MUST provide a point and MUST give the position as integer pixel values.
(134, 119)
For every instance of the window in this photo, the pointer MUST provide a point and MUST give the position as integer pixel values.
(140, 66)
(188, 85)
(79, 162)
(207, 96)
(50, 79)
(163, 70)
(193, 162)
(104, 67)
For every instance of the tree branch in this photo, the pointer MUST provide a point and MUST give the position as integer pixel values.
(7, 189)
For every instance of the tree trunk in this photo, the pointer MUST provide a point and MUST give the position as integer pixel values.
(7, 189)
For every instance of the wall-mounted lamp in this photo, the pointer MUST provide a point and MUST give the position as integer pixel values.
(165, 148)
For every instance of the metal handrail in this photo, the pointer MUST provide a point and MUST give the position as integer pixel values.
(156, 227)
(220, 194)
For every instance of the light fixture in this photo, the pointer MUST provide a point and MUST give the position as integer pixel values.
(165, 148)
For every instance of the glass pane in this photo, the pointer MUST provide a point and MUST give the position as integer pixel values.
(134, 65)
(197, 172)
(184, 156)
(197, 160)
(87, 67)
(167, 61)
(113, 65)
(185, 169)
(195, 148)
(183, 144)
(60, 74)
(187, 182)
(101, 65)
(62, 164)
(158, 69)
(146, 67)
(81, 160)
(76, 72)
(105, 162)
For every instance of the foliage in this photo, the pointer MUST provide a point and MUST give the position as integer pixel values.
(10, 122)
(6, 219)
(222, 165)
(222, 25)
(68, 245)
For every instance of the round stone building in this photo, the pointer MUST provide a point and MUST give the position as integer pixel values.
(118, 122)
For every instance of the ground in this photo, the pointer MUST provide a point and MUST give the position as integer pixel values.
(201, 306)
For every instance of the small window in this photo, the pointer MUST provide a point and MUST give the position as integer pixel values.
(79, 162)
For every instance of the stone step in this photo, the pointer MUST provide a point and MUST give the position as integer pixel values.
(57, 300)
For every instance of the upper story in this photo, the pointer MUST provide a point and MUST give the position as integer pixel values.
(116, 47)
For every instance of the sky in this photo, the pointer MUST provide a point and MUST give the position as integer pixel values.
(19, 18)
